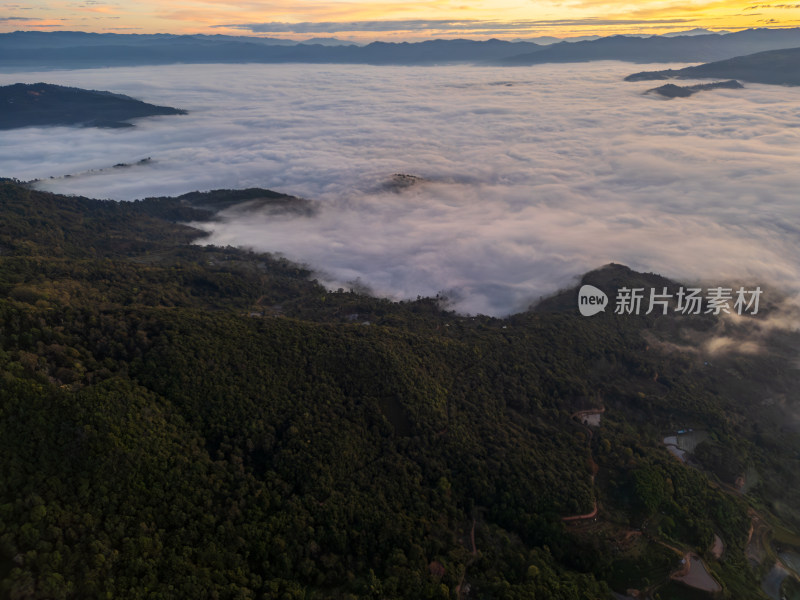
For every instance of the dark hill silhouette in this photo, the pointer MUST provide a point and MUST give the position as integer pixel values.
(685, 48)
(781, 67)
(42, 104)
(670, 90)
(28, 50)
(80, 50)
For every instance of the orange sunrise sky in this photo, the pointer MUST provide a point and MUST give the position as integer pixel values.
(391, 20)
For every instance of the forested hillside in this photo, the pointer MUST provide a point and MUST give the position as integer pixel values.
(184, 421)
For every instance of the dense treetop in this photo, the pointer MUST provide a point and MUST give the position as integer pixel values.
(188, 421)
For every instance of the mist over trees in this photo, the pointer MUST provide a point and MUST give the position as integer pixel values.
(185, 421)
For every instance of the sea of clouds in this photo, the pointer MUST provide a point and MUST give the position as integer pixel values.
(533, 175)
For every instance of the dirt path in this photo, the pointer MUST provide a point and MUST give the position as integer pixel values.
(589, 515)
(718, 547)
(592, 464)
(460, 591)
(757, 539)
(677, 551)
(472, 539)
(585, 417)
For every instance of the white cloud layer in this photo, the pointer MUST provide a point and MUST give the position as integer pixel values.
(534, 174)
(469, 26)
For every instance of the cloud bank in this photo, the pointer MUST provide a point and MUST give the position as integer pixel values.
(464, 26)
(532, 175)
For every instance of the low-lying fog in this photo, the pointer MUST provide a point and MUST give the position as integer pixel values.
(532, 175)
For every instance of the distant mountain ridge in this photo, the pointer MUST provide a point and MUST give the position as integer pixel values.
(685, 48)
(44, 104)
(30, 49)
(62, 39)
(781, 67)
(78, 50)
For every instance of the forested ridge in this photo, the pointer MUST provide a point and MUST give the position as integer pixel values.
(45, 104)
(189, 421)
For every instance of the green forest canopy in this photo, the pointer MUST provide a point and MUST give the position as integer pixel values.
(188, 421)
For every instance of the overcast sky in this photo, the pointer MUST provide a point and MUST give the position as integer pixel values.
(367, 20)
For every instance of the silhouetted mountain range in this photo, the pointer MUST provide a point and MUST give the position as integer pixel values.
(780, 67)
(79, 50)
(670, 90)
(685, 48)
(38, 104)
(64, 39)
(30, 49)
